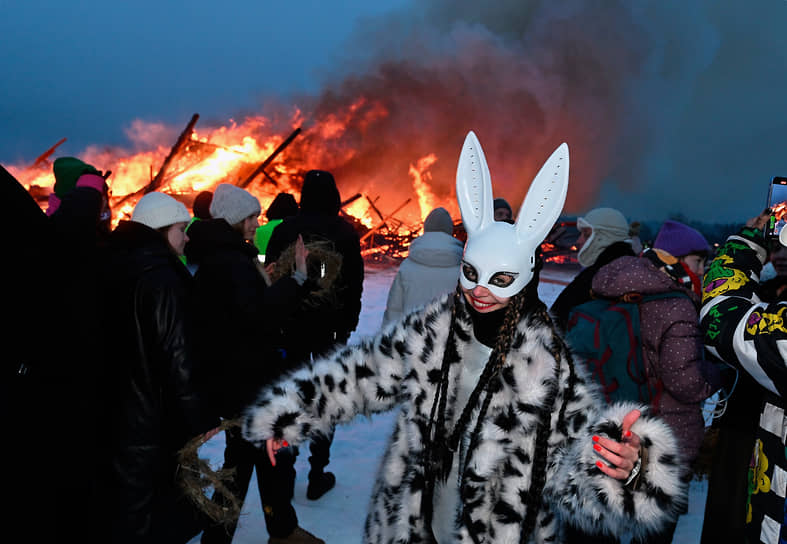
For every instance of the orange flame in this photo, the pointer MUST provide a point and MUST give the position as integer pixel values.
(421, 179)
(228, 154)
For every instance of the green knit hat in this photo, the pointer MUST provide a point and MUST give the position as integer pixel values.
(67, 171)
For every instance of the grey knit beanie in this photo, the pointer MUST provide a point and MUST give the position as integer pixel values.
(608, 225)
(439, 220)
(233, 204)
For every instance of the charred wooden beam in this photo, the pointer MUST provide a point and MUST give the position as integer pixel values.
(264, 164)
(350, 200)
(387, 217)
(184, 137)
(273, 181)
(377, 211)
(45, 155)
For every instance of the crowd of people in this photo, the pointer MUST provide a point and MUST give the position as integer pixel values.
(176, 325)
(159, 332)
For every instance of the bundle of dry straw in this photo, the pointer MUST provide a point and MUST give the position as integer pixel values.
(196, 477)
(323, 264)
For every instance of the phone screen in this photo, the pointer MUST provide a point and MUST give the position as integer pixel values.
(777, 203)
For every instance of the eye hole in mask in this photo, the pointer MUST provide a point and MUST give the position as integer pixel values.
(499, 279)
(503, 279)
(469, 272)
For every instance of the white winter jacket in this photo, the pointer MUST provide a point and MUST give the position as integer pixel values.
(431, 269)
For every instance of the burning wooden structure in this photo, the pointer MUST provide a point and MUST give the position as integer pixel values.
(384, 232)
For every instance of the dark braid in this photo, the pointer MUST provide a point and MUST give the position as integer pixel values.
(435, 431)
(538, 473)
(571, 383)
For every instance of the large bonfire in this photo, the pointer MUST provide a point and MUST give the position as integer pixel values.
(264, 161)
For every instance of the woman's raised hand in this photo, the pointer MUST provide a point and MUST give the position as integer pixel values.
(300, 256)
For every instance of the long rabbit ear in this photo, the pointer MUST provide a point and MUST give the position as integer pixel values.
(474, 186)
(545, 198)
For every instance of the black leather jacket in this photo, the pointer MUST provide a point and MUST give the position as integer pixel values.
(152, 405)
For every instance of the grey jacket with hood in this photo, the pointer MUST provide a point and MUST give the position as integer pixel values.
(431, 269)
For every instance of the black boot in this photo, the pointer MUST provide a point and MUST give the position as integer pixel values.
(319, 485)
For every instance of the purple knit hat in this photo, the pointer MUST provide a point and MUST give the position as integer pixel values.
(680, 240)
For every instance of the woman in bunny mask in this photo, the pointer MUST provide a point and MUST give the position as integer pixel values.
(499, 437)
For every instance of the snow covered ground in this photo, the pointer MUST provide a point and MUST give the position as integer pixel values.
(339, 515)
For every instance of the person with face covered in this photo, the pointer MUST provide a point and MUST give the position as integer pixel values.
(499, 436)
(604, 237)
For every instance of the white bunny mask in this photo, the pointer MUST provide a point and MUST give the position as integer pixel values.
(495, 251)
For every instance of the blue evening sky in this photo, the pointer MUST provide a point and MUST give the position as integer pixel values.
(682, 104)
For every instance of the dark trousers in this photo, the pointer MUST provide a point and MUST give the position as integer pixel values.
(728, 483)
(320, 449)
(275, 484)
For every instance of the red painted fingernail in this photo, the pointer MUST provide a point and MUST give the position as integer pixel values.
(284, 443)
(599, 464)
(595, 438)
(596, 447)
(627, 434)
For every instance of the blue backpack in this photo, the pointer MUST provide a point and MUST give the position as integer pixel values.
(605, 335)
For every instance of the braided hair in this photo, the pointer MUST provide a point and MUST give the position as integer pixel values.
(440, 446)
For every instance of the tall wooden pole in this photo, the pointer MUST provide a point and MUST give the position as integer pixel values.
(184, 137)
(261, 168)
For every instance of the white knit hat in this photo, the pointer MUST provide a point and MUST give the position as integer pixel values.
(158, 210)
(233, 204)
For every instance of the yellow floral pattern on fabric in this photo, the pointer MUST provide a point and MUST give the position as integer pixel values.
(763, 483)
(758, 480)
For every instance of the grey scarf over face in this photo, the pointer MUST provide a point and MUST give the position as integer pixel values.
(602, 237)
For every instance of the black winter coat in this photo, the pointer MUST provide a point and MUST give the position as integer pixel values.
(236, 315)
(318, 221)
(153, 407)
(50, 350)
(578, 291)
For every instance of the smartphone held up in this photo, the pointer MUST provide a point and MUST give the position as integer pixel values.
(777, 204)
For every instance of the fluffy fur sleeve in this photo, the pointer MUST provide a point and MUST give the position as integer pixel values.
(356, 379)
(591, 500)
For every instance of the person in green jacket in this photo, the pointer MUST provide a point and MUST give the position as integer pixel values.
(284, 205)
